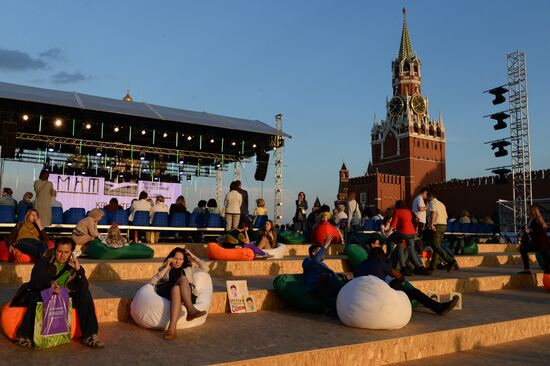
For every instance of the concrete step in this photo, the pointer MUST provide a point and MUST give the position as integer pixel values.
(144, 269)
(163, 249)
(113, 297)
(292, 338)
(531, 351)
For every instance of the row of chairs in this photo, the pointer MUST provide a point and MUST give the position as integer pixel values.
(457, 227)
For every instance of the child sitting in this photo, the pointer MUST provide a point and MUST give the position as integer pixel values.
(260, 210)
(114, 238)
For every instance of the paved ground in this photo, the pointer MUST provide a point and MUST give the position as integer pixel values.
(227, 337)
(529, 352)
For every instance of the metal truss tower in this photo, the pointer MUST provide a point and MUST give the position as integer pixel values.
(519, 138)
(279, 172)
(219, 182)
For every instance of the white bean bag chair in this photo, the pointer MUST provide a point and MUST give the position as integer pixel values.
(278, 252)
(368, 302)
(149, 310)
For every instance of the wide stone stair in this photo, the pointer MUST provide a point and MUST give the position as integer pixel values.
(499, 306)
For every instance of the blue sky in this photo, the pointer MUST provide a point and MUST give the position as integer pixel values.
(325, 65)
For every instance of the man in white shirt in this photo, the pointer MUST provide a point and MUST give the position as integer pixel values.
(419, 208)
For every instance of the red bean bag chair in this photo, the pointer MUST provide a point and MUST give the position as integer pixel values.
(427, 253)
(12, 318)
(546, 281)
(22, 258)
(215, 251)
(320, 232)
(5, 255)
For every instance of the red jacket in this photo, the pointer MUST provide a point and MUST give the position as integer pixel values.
(402, 220)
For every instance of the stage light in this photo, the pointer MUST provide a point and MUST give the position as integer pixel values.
(143, 132)
(83, 172)
(88, 126)
(233, 143)
(98, 154)
(498, 92)
(116, 129)
(254, 146)
(181, 161)
(25, 117)
(58, 122)
(189, 138)
(70, 163)
(142, 158)
(211, 141)
(165, 135)
(51, 148)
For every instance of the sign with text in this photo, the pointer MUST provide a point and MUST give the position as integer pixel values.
(95, 192)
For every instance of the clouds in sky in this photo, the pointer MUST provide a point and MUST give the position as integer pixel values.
(17, 60)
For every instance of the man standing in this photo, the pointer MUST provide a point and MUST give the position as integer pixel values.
(419, 209)
(437, 222)
(244, 203)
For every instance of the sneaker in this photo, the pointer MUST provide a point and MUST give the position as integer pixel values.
(264, 256)
(448, 306)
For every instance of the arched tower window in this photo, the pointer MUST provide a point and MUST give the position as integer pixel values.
(415, 127)
(406, 66)
(438, 132)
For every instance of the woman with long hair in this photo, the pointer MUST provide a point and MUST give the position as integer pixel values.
(535, 240)
(29, 236)
(174, 281)
(43, 201)
(300, 215)
(268, 236)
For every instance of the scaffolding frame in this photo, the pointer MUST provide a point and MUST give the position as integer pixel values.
(279, 172)
(519, 138)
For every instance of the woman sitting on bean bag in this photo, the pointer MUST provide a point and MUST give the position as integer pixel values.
(29, 236)
(86, 229)
(268, 236)
(238, 238)
(174, 281)
(114, 238)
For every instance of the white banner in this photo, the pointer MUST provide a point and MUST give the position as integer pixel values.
(95, 192)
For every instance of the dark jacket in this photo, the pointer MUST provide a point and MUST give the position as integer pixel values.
(12, 238)
(44, 272)
(244, 204)
(314, 268)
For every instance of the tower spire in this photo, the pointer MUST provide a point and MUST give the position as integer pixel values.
(405, 48)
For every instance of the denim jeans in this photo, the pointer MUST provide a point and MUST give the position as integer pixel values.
(411, 250)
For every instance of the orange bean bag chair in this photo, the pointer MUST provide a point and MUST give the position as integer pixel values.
(215, 251)
(321, 231)
(12, 318)
(22, 258)
(5, 255)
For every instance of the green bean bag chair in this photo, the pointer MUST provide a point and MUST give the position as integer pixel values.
(292, 289)
(356, 254)
(290, 237)
(470, 247)
(98, 250)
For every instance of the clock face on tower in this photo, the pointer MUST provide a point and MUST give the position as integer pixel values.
(418, 104)
(396, 106)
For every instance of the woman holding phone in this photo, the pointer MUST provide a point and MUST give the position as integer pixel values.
(29, 236)
(174, 281)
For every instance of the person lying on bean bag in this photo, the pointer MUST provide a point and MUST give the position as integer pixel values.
(238, 238)
(174, 282)
(321, 281)
(29, 236)
(58, 268)
(376, 266)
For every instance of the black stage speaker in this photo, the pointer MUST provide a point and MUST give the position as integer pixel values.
(9, 132)
(262, 159)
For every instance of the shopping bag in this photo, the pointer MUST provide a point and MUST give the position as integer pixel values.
(52, 325)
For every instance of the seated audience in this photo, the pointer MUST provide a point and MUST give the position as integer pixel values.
(464, 217)
(179, 206)
(25, 203)
(341, 217)
(59, 268)
(29, 236)
(159, 206)
(55, 202)
(321, 281)
(7, 199)
(113, 206)
(378, 215)
(201, 208)
(174, 282)
(376, 266)
(142, 204)
(260, 209)
(113, 238)
(212, 207)
(268, 236)
(86, 229)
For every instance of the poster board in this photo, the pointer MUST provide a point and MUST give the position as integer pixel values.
(240, 301)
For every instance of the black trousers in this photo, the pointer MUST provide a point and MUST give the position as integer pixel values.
(526, 248)
(415, 294)
(34, 248)
(82, 302)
